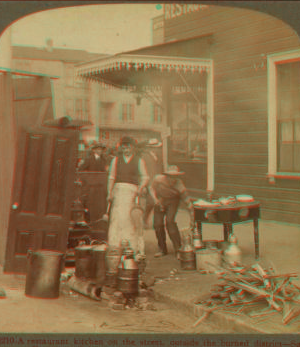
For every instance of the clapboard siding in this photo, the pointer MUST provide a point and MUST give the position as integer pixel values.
(246, 179)
(236, 158)
(267, 193)
(246, 137)
(233, 116)
(241, 39)
(243, 149)
(283, 216)
(240, 127)
(254, 179)
(231, 73)
(239, 169)
(252, 84)
(216, 18)
(258, 49)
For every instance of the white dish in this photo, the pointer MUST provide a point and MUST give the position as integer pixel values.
(202, 202)
(244, 198)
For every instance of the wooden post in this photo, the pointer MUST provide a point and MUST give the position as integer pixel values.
(166, 119)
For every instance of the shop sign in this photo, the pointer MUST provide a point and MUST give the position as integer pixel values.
(176, 10)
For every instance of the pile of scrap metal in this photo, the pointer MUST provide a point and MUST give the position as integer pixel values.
(252, 288)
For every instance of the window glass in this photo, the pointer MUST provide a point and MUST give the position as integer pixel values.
(189, 130)
(288, 116)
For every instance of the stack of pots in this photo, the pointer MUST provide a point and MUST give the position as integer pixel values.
(114, 267)
(187, 254)
(128, 273)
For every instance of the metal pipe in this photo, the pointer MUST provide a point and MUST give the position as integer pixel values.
(85, 287)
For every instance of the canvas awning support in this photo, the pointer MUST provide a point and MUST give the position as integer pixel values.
(189, 88)
(144, 72)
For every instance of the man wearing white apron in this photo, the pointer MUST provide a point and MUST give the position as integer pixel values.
(127, 178)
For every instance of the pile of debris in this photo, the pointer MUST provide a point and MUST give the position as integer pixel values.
(245, 287)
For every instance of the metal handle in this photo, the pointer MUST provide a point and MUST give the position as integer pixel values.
(108, 207)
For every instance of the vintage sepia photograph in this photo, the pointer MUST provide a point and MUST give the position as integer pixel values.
(150, 173)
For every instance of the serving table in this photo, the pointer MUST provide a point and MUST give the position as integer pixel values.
(238, 212)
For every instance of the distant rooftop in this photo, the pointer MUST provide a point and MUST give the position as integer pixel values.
(61, 54)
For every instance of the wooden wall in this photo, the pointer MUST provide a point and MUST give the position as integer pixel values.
(241, 39)
(7, 148)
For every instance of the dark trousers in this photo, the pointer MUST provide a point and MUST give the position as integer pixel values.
(168, 213)
(149, 207)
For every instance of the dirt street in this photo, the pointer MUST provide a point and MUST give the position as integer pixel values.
(75, 313)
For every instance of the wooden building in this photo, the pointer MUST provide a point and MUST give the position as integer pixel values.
(235, 125)
(256, 60)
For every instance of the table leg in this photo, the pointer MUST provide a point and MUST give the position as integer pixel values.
(227, 227)
(256, 238)
(199, 228)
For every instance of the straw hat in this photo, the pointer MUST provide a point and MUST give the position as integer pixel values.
(173, 170)
(154, 143)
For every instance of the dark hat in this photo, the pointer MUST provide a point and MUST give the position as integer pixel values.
(98, 145)
(127, 140)
(173, 170)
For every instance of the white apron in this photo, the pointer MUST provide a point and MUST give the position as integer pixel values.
(120, 223)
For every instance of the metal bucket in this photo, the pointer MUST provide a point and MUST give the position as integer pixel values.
(84, 267)
(112, 258)
(128, 281)
(208, 259)
(128, 273)
(187, 260)
(43, 273)
(99, 255)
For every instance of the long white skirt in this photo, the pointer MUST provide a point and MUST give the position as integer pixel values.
(120, 224)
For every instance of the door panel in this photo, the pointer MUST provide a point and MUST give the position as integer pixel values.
(42, 194)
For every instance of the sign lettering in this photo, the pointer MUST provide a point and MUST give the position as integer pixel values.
(176, 10)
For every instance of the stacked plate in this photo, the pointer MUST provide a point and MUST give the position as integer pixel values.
(202, 202)
(244, 198)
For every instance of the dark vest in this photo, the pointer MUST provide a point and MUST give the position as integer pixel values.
(127, 172)
(93, 164)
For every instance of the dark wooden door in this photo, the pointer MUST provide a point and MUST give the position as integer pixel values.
(42, 194)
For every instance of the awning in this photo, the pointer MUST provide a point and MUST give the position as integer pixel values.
(146, 72)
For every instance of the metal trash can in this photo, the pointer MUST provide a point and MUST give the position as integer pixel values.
(99, 255)
(44, 268)
(84, 267)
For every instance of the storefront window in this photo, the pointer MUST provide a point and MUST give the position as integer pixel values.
(156, 114)
(127, 113)
(189, 131)
(288, 117)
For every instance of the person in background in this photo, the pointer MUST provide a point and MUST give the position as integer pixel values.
(126, 180)
(167, 190)
(97, 160)
(152, 155)
(94, 198)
